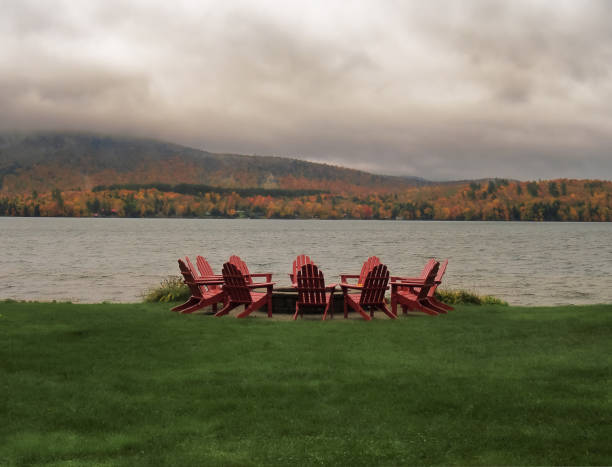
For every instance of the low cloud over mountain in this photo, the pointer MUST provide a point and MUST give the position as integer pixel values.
(442, 90)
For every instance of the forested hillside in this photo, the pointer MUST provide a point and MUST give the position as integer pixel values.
(48, 161)
(555, 200)
(80, 175)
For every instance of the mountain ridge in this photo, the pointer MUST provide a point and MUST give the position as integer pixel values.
(79, 175)
(82, 160)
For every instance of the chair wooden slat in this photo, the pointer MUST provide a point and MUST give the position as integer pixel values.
(368, 265)
(242, 267)
(298, 262)
(235, 284)
(205, 269)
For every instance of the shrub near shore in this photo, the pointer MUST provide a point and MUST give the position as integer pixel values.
(467, 297)
(171, 289)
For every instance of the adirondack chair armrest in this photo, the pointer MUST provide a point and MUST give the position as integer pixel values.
(344, 285)
(205, 281)
(412, 284)
(331, 287)
(406, 279)
(344, 277)
(261, 284)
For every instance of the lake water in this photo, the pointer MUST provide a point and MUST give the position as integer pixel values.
(93, 260)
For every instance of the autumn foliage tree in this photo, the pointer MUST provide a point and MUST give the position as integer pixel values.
(553, 200)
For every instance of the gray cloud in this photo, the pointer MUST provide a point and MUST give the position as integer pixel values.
(443, 89)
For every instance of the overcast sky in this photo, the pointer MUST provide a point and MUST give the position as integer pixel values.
(438, 89)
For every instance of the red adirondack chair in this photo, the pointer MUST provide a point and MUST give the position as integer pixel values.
(411, 293)
(201, 296)
(371, 296)
(312, 291)
(239, 292)
(298, 262)
(430, 299)
(242, 267)
(365, 269)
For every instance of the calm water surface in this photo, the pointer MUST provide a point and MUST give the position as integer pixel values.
(92, 260)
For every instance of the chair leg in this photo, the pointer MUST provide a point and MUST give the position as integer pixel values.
(413, 305)
(269, 305)
(360, 310)
(227, 308)
(416, 306)
(198, 305)
(328, 305)
(387, 312)
(443, 305)
(188, 304)
(256, 305)
(297, 310)
(425, 309)
(433, 305)
(345, 309)
(247, 311)
(214, 308)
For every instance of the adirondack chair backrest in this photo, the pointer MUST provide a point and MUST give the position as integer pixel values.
(367, 267)
(431, 277)
(424, 272)
(310, 285)
(300, 261)
(235, 285)
(189, 279)
(192, 269)
(242, 267)
(441, 271)
(375, 286)
(430, 264)
(439, 275)
(205, 270)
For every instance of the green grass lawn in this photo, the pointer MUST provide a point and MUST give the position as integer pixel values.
(139, 385)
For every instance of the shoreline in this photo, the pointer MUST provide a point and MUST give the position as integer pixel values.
(246, 218)
(205, 311)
